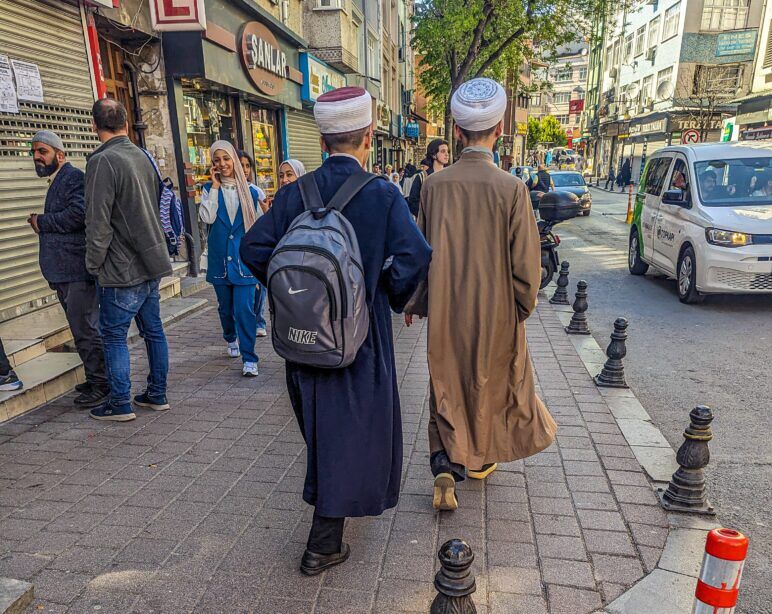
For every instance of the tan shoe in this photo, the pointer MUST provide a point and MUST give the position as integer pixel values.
(482, 473)
(445, 493)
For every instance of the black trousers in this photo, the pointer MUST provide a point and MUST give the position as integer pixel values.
(326, 535)
(80, 302)
(5, 366)
(440, 463)
(609, 180)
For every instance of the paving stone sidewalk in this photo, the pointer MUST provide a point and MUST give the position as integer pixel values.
(198, 509)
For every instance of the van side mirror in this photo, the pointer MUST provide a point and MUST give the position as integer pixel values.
(676, 197)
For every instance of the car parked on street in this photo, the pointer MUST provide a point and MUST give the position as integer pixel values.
(523, 172)
(703, 215)
(572, 181)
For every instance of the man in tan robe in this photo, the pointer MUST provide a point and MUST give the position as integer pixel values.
(482, 285)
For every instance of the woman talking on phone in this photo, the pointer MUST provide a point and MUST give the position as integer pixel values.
(230, 206)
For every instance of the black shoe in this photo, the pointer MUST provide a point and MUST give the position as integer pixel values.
(313, 564)
(10, 381)
(156, 403)
(93, 397)
(84, 387)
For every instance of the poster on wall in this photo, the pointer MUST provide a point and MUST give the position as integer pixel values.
(29, 85)
(8, 101)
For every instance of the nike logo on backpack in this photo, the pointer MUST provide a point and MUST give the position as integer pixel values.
(291, 291)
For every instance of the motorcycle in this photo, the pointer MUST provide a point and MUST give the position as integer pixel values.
(553, 208)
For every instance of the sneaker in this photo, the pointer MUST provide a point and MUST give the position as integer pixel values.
(108, 411)
(156, 403)
(84, 387)
(261, 332)
(233, 349)
(249, 369)
(10, 382)
(94, 396)
(444, 496)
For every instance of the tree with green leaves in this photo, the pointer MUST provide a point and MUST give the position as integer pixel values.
(551, 132)
(534, 133)
(462, 39)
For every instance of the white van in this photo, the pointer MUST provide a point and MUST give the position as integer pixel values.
(703, 215)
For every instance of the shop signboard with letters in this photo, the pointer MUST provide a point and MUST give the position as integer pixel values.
(736, 42)
(318, 78)
(263, 58)
(177, 15)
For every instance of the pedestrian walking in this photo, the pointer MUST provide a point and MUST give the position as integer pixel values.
(625, 174)
(61, 229)
(482, 286)
(407, 180)
(395, 181)
(230, 206)
(9, 381)
(377, 169)
(289, 171)
(126, 252)
(611, 178)
(437, 158)
(349, 417)
(260, 291)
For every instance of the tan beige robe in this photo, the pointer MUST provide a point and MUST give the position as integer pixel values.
(482, 285)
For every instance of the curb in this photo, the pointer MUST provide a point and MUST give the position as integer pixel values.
(671, 585)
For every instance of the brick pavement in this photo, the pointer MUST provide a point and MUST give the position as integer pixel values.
(198, 509)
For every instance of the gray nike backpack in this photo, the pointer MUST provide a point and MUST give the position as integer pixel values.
(316, 283)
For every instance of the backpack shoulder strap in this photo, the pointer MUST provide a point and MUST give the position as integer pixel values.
(350, 189)
(309, 192)
(153, 162)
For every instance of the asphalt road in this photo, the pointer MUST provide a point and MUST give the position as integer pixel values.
(718, 353)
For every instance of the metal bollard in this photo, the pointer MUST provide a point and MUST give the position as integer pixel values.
(686, 490)
(630, 208)
(578, 323)
(613, 373)
(722, 568)
(560, 296)
(454, 582)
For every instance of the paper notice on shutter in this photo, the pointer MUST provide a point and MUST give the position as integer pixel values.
(8, 102)
(29, 86)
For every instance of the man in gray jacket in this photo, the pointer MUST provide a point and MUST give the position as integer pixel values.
(126, 252)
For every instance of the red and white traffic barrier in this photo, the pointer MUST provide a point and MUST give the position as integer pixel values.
(722, 568)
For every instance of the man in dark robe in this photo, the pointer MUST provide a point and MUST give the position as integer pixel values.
(350, 417)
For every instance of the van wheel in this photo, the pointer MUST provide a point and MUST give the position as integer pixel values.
(635, 265)
(687, 278)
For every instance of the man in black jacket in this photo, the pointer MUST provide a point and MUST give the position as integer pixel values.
(62, 231)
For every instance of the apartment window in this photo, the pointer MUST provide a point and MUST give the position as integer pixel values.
(563, 119)
(768, 52)
(672, 16)
(583, 74)
(628, 53)
(646, 89)
(663, 76)
(564, 73)
(373, 57)
(724, 14)
(617, 48)
(653, 32)
(721, 81)
(561, 97)
(579, 95)
(609, 54)
(640, 39)
(329, 4)
(536, 100)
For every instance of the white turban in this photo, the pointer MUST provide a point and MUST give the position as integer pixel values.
(478, 104)
(343, 110)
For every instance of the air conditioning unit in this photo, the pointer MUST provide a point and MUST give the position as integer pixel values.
(651, 54)
(613, 73)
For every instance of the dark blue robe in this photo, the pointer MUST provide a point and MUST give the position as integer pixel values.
(350, 417)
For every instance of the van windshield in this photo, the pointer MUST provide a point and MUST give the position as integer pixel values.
(732, 183)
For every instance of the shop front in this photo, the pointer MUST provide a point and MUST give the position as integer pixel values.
(754, 117)
(238, 81)
(647, 135)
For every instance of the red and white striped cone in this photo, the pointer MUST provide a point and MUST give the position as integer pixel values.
(722, 568)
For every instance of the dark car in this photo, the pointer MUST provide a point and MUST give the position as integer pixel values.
(571, 181)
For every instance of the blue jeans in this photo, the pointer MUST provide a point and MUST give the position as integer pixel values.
(118, 306)
(260, 294)
(236, 307)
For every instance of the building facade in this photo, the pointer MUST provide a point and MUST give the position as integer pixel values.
(754, 111)
(668, 73)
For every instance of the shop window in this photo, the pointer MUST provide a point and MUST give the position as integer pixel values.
(672, 18)
(724, 15)
(265, 148)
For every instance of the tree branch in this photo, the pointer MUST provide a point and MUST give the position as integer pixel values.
(508, 41)
(474, 46)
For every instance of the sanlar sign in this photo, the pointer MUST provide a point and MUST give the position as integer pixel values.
(263, 59)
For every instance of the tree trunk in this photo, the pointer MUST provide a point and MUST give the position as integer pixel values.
(449, 130)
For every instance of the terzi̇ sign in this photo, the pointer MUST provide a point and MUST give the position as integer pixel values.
(263, 59)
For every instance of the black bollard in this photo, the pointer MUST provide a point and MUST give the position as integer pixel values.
(560, 297)
(613, 373)
(578, 323)
(686, 490)
(454, 582)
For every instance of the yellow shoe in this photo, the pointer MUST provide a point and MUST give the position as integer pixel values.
(445, 492)
(482, 473)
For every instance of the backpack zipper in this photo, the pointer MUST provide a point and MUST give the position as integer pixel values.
(305, 227)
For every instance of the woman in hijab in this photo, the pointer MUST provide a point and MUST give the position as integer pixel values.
(230, 206)
(289, 171)
(395, 180)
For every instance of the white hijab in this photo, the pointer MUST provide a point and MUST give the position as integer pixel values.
(240, 181)
(296, 165)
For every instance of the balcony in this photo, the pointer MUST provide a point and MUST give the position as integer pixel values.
(337, 57)
(330, 35)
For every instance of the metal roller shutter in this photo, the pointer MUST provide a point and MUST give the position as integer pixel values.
(303, 139)
(26, 33)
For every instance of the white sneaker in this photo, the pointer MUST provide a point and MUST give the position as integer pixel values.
(261, 332)
(233, 349)
(249, 369)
